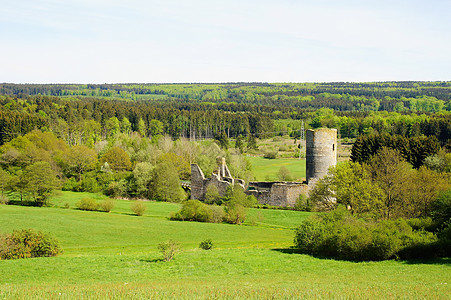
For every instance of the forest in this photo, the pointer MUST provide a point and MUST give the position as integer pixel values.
(126, 140)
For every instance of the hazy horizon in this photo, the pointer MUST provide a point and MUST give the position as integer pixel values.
(100, 41)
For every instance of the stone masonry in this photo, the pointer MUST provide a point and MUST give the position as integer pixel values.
(321, 154)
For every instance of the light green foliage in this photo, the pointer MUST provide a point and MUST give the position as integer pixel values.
(156, 127)
(117, 159)
(107, 205)
(112, 127)
(284, 174)
(340, 235)
(194, 210)
(87, 203)
(169, 249)
(212, 195)
(40, 180)
(142, 176)
(126, 126)
(165, 184)
(5, 181)
(81, 159)
(182, 167)
(142, 130)
(27, 243)
(138, 207)
(116, 188)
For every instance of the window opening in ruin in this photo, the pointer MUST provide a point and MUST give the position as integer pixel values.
(333, 147)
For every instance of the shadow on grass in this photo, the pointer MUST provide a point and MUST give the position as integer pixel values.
(425, 261)
(155, 260)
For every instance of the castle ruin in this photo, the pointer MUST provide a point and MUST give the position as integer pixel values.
(321, 153)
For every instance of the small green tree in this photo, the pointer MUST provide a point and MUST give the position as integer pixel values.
(165, 185)
(212, 195)
(40, 181)
(284, 174)
(138, 207)
(117, 159)
(239, 143)
(169, 249)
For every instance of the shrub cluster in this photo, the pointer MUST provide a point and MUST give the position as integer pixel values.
(91, 204)
(87, 204)
(27, 243)
(194, 210)
(340, 235)
(138, 207)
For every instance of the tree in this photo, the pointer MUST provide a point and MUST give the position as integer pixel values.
(5, 180)
(165, 184)
(252, 143)
(349, 184)
(182, 167)
(142, 176)
(239, 143)
(40, 181)
(392, 174)
(126, 127)
(81, 159)
(284, 174)
(156, 127)
(212, 194)
(117, 159)
(222, 140)
(142, 130)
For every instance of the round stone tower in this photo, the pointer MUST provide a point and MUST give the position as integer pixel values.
(321, 152)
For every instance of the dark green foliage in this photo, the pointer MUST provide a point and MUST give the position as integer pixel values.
(441, 208)
(414, 149)
(28, 243)
(340, 235)
(222, 140)
(206, 245)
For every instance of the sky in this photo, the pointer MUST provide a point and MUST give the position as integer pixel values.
(138, 41)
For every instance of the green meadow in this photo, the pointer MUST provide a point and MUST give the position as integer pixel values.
(114, 255)
(266, 169)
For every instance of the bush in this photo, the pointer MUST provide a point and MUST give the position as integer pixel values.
(217, 214)
(341, 235)
(66, 205)
(169, 249)
(206, 245)
(194, 210)
(87, 204)
(107, 205)
(27, 243)
(4, 200)
(303, 203)
(270, 155)
(138, 207)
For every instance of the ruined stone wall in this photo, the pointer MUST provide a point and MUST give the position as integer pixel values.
(197, 183)
(277, 193)
(321, 152)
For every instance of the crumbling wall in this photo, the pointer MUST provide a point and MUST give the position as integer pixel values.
(277, 193)
(198, 180)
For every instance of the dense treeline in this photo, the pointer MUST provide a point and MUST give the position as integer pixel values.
(77, 120)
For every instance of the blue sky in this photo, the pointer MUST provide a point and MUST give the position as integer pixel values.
(110, 41)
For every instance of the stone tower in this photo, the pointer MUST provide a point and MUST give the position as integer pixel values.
(321, 152)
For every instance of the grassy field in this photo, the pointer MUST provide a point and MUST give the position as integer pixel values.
(114, 255)
(266, 169)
